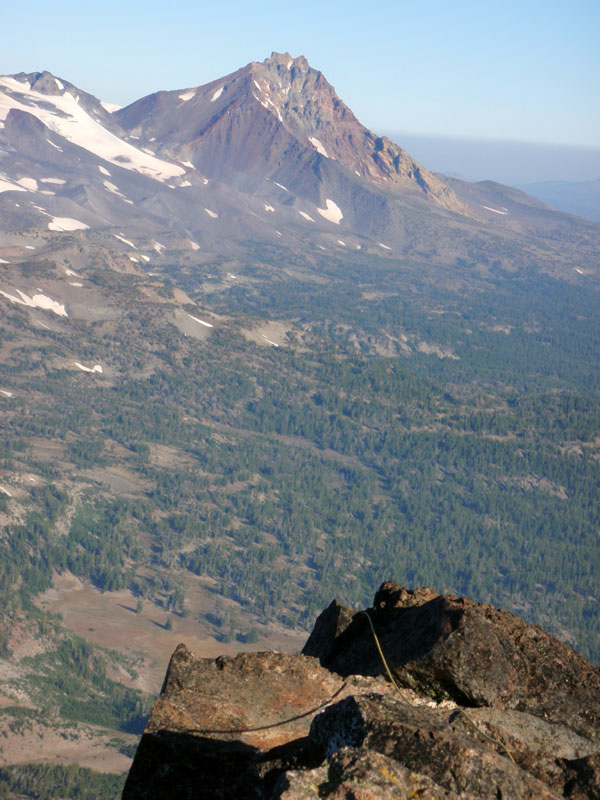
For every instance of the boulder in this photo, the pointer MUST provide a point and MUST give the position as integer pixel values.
(449, 647)
(482, 705)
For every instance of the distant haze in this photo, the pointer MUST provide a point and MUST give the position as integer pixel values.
(511, 163)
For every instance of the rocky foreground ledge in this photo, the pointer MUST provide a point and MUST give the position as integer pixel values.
(482, 706)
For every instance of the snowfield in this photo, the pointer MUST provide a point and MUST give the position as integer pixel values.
(70, 120)
(217, 94)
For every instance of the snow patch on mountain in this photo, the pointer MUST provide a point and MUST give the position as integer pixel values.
(194, 245)
(95, 368)
(210, 213)
(66, 224)
(318, 146)
(9, 186)
(285, 189)
(28, 183)
(55, 146)
(268, 207)
(58, 181)
(217, 94)
(201, 321)
(104, 171)
(187, 95)
(36, 301)
(121, 238)
(502, 211)
(306, 216)
(331, 212)
(110, 107)
(111, 187)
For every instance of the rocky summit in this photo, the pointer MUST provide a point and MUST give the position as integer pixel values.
(422, 695)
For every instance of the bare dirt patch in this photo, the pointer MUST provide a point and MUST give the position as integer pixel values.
(163, 455)
(109, 619)
(273, 334)
(82, 744)
(117, 478)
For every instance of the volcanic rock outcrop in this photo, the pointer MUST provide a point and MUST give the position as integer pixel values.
(423, 695)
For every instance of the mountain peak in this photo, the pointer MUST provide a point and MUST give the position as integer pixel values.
(309, 108)
(42, 82)
(270, 120)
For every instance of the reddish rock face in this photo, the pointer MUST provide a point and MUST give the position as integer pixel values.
(280, 119)
(262, 700)
(488, 707)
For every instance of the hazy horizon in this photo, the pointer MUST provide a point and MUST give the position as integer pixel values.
(510, 162)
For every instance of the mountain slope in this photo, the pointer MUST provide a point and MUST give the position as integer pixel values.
(231, 389)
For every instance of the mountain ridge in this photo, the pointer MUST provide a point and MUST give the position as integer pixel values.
(269, 151)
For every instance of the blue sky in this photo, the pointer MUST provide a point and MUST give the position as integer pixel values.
(527, 70)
